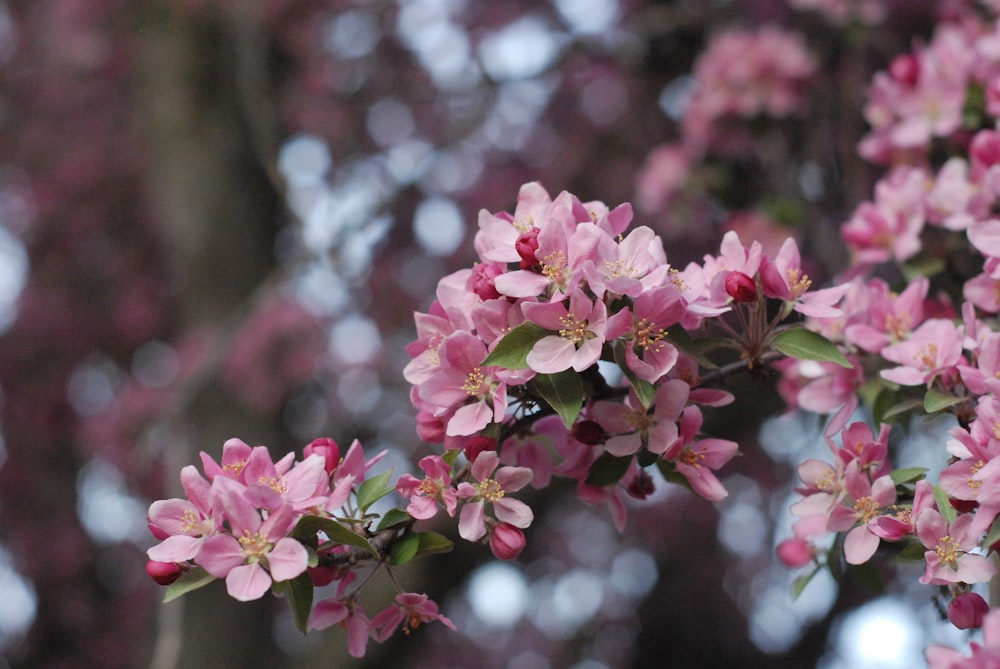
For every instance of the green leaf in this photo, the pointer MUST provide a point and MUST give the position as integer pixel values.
(800, 583)
(696, 348)
(907, 475)
(511, 352)
(374, 489)
(192, 579)
(913, 551)
(299, 593)
(451, 456)
(935, 401)
(644, 390)
(608, 469)
(993, 535)
(901, 408)
(307, 527)
(564, 393)
(923, 265)
(808, 345)
(944, 504)
(393, 517)
(404, 549)
(432, 543)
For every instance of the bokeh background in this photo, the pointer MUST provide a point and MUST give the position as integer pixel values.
(218, 216)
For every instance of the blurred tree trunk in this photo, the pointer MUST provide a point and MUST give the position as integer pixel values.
(218, 211)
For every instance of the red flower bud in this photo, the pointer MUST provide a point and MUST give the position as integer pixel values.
(795, 552)
(477, 445)
(163, 573)
(326, 447)
(588, 432)
(484, 281)
(741, 287)
(507, 541)
(642, 487)
(905, 69)
(966, 611)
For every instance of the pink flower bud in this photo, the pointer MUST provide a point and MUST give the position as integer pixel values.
(484, 281)
(163, 573)
(905, 69)
(741, 287)
(642, 487)
(507, 541)
(326, 447)
(526, 246)
(966, 611)
(795, 552)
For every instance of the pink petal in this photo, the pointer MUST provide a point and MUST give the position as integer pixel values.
(513, 511)
(248, 582)
(471, 525)
(287, 559)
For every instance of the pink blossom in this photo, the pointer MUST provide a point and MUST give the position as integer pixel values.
(948, 557)
(933, 349)
(696, 459)
(183, 524)
(648, 353)
(633, 426)
(890, 317)
(425, 495)
(984, 656)
(410, 610)
(868, 499)
(783, 278)
(581, 333)
(492, 488)
(333, 611)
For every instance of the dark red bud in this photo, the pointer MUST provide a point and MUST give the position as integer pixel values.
(326, 447)
(526, 246)
(477, 445)
(905, 69)
(507, 541)
(588, 432)
(966, 611)
(163, 573)
(642, 487)
(741, 287)
(484, 281)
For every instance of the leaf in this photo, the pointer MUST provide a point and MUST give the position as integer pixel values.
(608, 469)
(192, 579)
(644, 390)
(432, 543)
(901, 408)
(800, 583)
(907, 475)
(913, 551)
(511, 352)
(944, 504)
(696, 348)
(393, 517)
(808, 345)
(404, 549)
(307, 527)
(993, 535)
(374, 489)
(564, 393)
(935, 401)
(299, 593)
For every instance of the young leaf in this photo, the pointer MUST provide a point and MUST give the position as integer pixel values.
(192, 579)
(935, 401)
(511, 352)
(907, 475)
(608, 469)
(307, 527)
(299, 593)
(564, 393)
(808, 345)
(901, 408)
(912, 552)
(374, 489)
(993, 535)
(644, 390)
(802, 581)
(944, 504)
(432, 543)
(393, 517)
(404, 549)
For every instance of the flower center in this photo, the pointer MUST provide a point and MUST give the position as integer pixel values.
(475, 383)
(865, 509)
(191, 522)
(234, 469)
(927, 356)
(572, 330)
(947, 551)
(254, 545)
(490, 490)
(648, 336)
(798, 283)
(553, 268)
(691, 457)
(429, 487)
(274, 483)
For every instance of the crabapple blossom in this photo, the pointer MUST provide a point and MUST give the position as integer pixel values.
(492, 486)
(435, 489)
(410, 610)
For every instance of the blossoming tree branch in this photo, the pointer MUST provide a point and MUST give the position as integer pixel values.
(573, 349)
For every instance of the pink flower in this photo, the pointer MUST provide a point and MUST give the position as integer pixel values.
(492, 488)
(984, 656)
(697, 460)
(948, 557)
(410, 610)
(333, 611)
(867, 501)
(580, 328)
(254, 544)
(644, 328)
(634, 427)
(328, 449)
(933, 349)
(183, 524)
(783, 278)
(434, 489)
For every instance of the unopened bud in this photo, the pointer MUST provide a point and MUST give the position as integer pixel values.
(741, 287)
(326, 447)
(795, 552)
(484, 281)
(588, 432)
(163, 573)
(905, 69)
(526, 246)
(507, 541)
(642, 487)
(966, 611)
(477, 445)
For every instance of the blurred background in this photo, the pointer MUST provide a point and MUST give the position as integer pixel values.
(217, 218)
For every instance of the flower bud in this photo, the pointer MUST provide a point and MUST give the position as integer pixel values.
(588, 432)
(484, 280)
(507, 541)
(795, 552)
(905, 69)
(966, 611)
(741, 287)
(326, 447)
(476, 445)
(642, 486)
(526, 246)
(163, 573)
